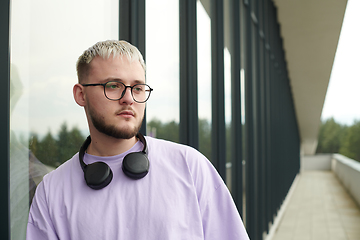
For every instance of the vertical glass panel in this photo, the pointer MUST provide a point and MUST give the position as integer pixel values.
(47, 126)
(243, 46)
(204, 78)
(228, 53)
(162, 70)
(227, 78)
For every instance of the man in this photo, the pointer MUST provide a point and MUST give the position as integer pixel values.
(120, 185)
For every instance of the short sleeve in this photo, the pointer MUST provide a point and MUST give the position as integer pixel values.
(40, 226)
(220, 217)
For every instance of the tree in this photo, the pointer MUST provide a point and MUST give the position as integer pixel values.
(68, 142)
(34, 143)
(64, 144)
(168, 131)
(48, 151)
(205, 138)
(52, 151)
(350, 146)
(330, 136)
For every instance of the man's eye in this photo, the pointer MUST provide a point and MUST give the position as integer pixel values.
(112, 86)
(138, 89)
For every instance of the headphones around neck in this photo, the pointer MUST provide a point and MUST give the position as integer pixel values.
(98, 174)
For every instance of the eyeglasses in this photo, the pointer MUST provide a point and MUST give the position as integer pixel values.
(114, 90)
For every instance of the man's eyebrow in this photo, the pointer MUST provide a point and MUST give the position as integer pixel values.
(111, 79)
(139, 81)
(120, 80)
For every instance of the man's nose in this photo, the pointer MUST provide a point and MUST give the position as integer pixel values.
(127, 96)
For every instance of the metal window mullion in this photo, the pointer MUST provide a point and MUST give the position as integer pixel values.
(268, 129)
(5, 120)
(274, 114)
(218, 133)
(263, 217)
(236, 124)
(249, 128)
(189, 129)
(257, 126)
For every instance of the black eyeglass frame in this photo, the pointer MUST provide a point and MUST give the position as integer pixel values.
(124, 91)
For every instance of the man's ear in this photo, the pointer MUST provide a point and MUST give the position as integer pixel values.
(79, 94)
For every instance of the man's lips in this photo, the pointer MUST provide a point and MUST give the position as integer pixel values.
(126, 113)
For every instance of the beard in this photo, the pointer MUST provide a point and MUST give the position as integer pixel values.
(111, 130)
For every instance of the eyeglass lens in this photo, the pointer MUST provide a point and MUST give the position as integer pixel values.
(116, 90)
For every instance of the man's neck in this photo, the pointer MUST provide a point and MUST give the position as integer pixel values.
(103, 145)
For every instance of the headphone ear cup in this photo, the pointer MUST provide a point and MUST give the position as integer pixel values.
(136, 165)
(98, 175)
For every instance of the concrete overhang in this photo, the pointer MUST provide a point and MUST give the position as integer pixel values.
(310, 30)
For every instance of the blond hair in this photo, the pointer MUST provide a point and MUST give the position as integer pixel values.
(105, 49)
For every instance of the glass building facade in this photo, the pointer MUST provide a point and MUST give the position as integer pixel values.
(220, 84)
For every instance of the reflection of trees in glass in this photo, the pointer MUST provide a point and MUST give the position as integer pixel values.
(205, 137)
(54, 151)
(228, 140)
(337, 138)
(170, 131)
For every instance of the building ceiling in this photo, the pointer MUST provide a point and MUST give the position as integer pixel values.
(310, 30)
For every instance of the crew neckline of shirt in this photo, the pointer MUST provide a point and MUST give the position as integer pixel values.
(88, 158)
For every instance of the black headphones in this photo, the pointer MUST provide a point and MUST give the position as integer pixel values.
(98, 174)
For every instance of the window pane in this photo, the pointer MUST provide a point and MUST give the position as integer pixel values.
(162, 70)
(47, 126)
(227, 83)
(204, 79)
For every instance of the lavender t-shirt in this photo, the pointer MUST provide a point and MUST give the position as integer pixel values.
(182, 197)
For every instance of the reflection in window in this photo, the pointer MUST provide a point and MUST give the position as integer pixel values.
(47, 126)
(227, 83)
(162, 70)
(204, 79)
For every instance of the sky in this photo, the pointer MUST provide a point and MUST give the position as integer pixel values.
(44, 49)
(342, 100)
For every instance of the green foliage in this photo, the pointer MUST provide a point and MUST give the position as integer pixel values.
(69, 142)
(55, 151)
(168, 131)
(337, 138)
(350, 146)
(330, 136)
(205, 138)
(47, 151)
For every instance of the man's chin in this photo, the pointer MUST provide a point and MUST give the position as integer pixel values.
(121, 130)
(122, 133)
(119, 133)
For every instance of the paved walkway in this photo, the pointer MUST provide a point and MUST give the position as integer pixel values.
(319, 208)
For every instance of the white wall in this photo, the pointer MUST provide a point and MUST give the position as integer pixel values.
(348, 172)
(319, 162)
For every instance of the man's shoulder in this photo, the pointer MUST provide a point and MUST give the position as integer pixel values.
(63, 170)
(172, 154)
(170, 146)
(158, 141)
